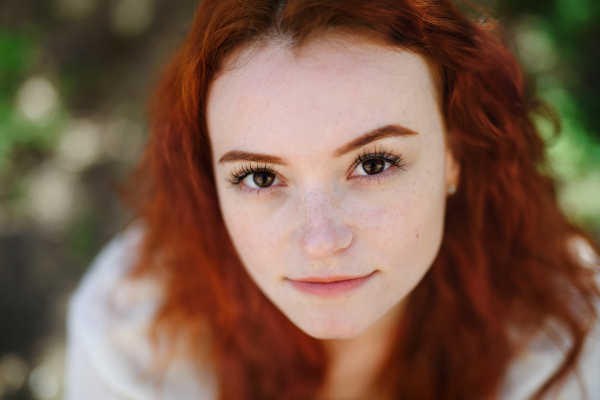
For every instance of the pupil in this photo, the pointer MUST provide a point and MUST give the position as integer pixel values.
(263, 179)
(372, 167)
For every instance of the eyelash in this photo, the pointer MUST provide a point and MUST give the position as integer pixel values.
(238, 176)
(396, 162)
(382, 154)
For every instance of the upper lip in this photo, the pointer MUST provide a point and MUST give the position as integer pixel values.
(330, 279)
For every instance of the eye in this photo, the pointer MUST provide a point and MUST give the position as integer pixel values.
(255, 178)
(259, 179)
(376, 163)
(372, 167)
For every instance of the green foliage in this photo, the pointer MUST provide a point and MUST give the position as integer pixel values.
(83, 236)
(16, 132)
(558, 42)
(16, 53)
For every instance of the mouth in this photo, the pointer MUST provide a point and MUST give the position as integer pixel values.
(330, 286)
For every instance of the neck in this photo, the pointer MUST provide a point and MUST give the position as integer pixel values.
(355, 363)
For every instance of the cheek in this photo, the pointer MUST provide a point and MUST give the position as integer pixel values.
(403, 228)
(256, 237)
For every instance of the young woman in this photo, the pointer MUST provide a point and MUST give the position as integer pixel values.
(341, 199)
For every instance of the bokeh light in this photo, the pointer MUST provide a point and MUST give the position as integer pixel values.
(37, 99)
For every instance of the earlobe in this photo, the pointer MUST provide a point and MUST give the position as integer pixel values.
(452, 173)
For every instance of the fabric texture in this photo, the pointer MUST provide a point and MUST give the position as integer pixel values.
(109, 353)
(108, 348)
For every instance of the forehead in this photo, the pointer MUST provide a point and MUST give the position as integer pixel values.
(328, 89)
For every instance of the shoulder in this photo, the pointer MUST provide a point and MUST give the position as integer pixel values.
(546, 352)
(110, 316)
(541, 359)
(98, 300)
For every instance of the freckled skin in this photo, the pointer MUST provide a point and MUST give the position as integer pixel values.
(302, 107)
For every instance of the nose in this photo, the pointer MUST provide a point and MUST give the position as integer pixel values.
(322, 234)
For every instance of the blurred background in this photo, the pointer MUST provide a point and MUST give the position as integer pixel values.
(75, 76)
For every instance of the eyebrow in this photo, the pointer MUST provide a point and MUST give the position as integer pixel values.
(371, 136)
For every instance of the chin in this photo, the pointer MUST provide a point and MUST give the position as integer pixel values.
(322, 327)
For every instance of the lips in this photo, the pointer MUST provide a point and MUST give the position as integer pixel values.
(330, 286)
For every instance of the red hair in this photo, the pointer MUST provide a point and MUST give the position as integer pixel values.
(504, 268)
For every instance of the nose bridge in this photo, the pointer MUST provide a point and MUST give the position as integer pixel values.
(318, 206)
(322, 231)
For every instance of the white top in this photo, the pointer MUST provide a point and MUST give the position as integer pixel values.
(108, 352)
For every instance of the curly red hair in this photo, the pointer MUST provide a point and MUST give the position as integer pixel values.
(505, 267)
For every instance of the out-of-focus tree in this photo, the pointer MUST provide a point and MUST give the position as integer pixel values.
(558, 42)
(75, 76)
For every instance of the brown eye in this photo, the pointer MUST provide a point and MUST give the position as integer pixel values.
(373, 166)
(263, 179)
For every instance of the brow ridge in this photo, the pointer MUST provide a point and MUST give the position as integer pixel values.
(371, 136)
(239, 155)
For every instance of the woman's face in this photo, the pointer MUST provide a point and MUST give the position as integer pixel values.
(332, 174)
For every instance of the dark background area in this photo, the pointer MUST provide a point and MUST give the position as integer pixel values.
(75, 76)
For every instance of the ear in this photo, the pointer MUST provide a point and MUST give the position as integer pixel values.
(452, 169)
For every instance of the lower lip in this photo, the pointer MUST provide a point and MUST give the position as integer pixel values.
(331, 289)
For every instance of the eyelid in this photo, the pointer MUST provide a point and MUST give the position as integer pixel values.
(389, 156)
(244, 170)
(382, 176)
(259, 192)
